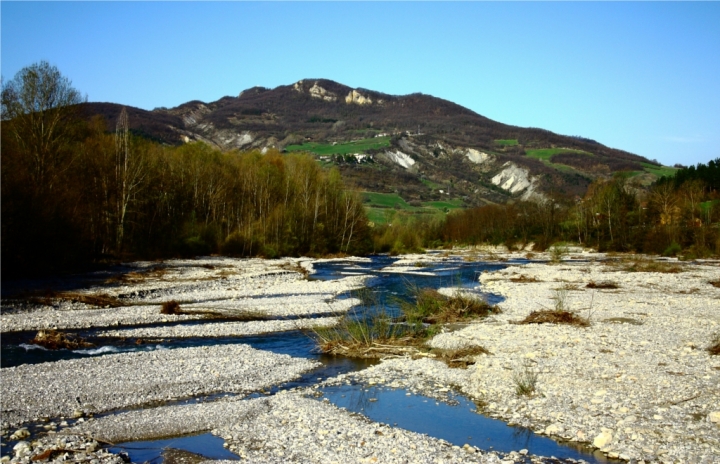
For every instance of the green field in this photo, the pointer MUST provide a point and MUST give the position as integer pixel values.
(358, 146)
(707, 205)
(545, 154)
(384, 200)
(660, 171)
(430, 184)
(381, 206)
(507, 142)
(449, 204)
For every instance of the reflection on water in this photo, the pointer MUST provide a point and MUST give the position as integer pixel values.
(455, 421)
(207, 445)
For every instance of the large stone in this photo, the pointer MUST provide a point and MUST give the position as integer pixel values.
(20, 434)
(602, 439)
(714, 417)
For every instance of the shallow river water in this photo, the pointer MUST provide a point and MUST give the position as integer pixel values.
(454, 421)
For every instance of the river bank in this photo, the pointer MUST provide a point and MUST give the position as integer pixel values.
(637, 383)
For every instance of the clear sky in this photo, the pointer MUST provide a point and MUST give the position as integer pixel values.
(642, 77)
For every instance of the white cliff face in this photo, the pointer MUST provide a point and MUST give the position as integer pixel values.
(513, 178)
(476, 156)
(318, 92)
(355, 97)
(400, 158)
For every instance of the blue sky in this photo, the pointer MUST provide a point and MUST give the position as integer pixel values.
(642, 77)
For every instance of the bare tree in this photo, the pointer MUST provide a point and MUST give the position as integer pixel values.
(39, 106)
(129, 175)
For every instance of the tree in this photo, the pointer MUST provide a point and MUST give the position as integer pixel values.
(39, 106)
(129, 175)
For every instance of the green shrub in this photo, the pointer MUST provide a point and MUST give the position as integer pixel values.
(672, 250)
(432, 307)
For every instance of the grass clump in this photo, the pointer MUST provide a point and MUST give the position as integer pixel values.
(432, 307)
(525, 380)
(100, 300)
(714, 347)
(602, 285)
(523, 279)
(295, 267)
(648, 265)
(715, 283)
(561, 314)
(460, 358)
(558, 252)
(552, 316)
(170, 307)
(371, 336)
(372, 333)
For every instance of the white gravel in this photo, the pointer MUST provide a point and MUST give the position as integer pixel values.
(638, 383)
(62, 449)
(225, 287)
(124, 380)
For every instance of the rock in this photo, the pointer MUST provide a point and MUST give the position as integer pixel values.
(20, 434)
(553, 429)
(602, 439)
(22, 448)
(714, 417)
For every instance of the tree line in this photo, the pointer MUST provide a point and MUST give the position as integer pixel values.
(675, 214)
(75, 194)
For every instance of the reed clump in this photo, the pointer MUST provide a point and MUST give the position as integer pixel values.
(432, 307)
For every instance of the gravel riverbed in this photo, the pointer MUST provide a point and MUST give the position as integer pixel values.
(104, 383)
(638, 383)
(205, 288)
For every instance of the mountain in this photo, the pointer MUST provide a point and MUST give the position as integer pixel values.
(418, 146)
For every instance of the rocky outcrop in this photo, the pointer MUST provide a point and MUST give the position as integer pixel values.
(318, 92)
(515, 179)
(400, 158)
(357, 98)
(477, 157)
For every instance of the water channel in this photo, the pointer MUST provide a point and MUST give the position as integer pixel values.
(455, 421)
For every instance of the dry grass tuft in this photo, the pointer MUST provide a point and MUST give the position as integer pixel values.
(714, 347)
(555, 316)
(715, 283)
(170, 307)
(55, 340)
(460, 358)
(100, 300)
(525, 380)
(602, 285)
(642, 264)
(523, 279)
(295, 267)
(135, 277)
